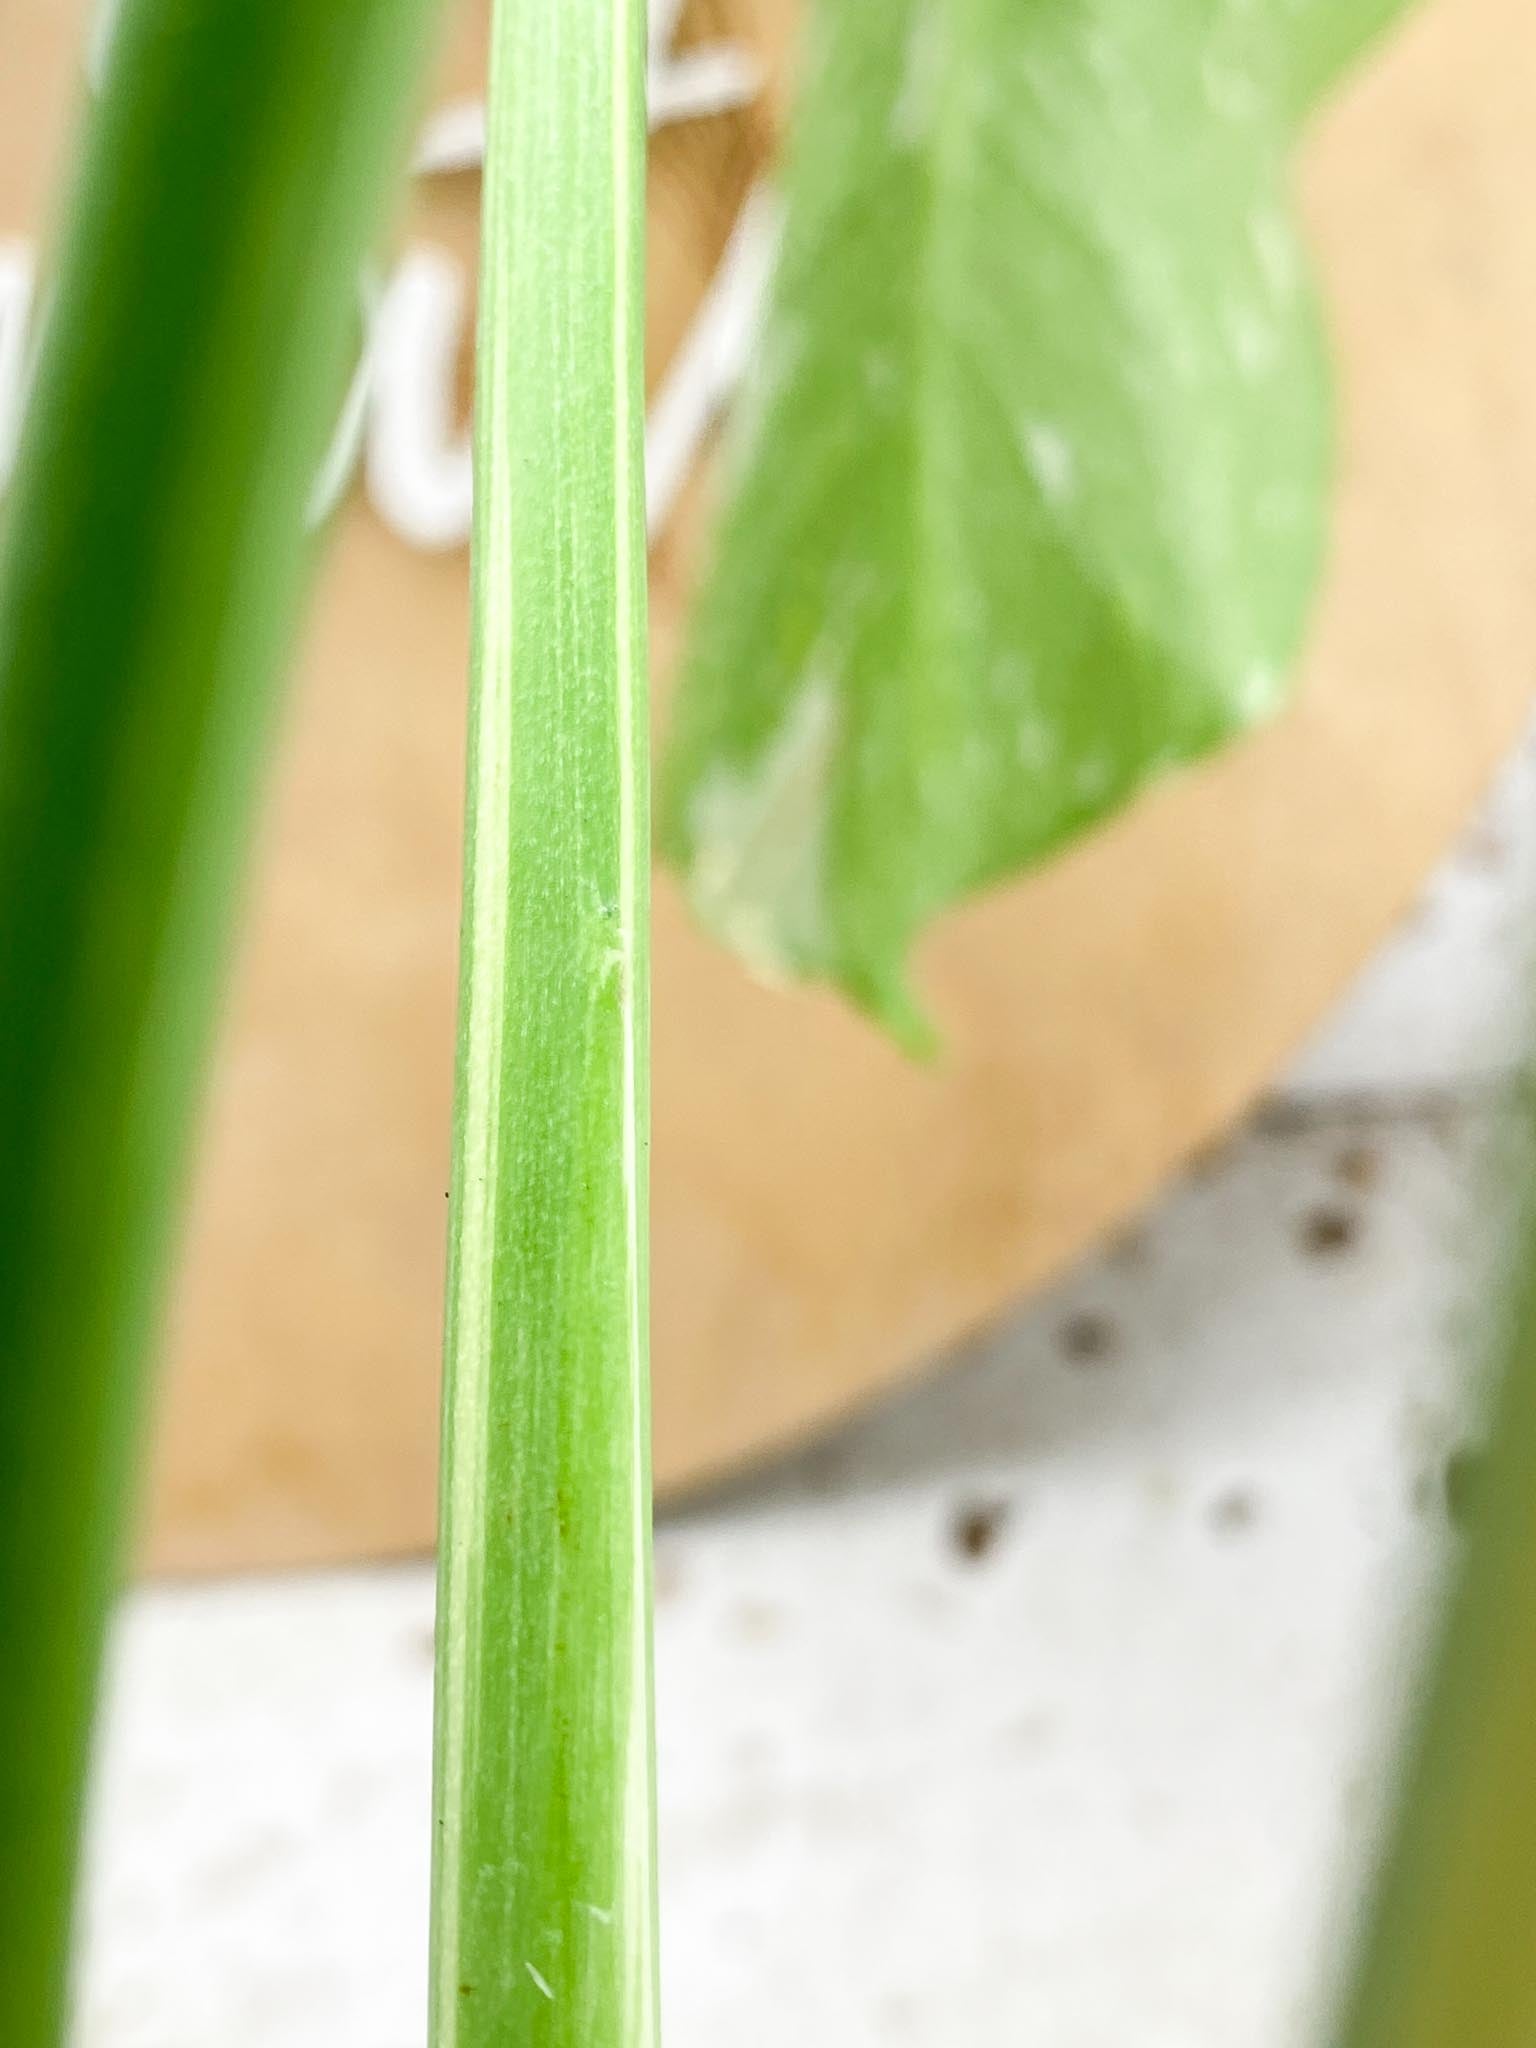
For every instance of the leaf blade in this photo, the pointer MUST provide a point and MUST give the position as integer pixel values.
(153, 560)
(1031, 485)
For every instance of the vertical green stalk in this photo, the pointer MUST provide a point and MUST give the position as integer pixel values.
(544, 1891)
(1449, 1959)
(152, 563)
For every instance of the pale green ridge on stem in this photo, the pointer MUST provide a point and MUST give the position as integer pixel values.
(544, 1888)
(154, 554)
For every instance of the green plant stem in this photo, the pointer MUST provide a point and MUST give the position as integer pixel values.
(153, 559)
(544, 1894)
(1447, 1960)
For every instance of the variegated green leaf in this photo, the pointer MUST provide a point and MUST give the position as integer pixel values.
(1028, 487)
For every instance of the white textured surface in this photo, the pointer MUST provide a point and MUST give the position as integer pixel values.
(1103, 1783)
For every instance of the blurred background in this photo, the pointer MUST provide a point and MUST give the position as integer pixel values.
(1052, 1698)
(1058, 1443)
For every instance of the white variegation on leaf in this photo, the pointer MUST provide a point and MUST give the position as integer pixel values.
(1029, 486)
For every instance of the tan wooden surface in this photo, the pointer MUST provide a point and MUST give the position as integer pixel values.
(826, 1215)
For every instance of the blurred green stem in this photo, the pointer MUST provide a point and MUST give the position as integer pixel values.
(543, 1924)
(1449, 1959)
(153, 560)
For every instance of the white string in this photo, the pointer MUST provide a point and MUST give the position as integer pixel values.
(398, 418)
(346, 449)
(420, 469)
(712, 359)
(701, 83)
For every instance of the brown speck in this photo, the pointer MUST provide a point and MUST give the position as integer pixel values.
(1088, 1339)
(1358, 1167)
(1210, 1159)
(1328, 1231)
(1234, 1512)
(977, 1528)
(1462, 1482)
(466, 1991)
(1132, 1248)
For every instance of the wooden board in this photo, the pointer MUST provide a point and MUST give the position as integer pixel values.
(826, 1215)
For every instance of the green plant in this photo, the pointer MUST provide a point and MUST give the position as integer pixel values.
(544, 1908)
(138, 635)
(153, 559)
(1446, 1956)
(1028, 490)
